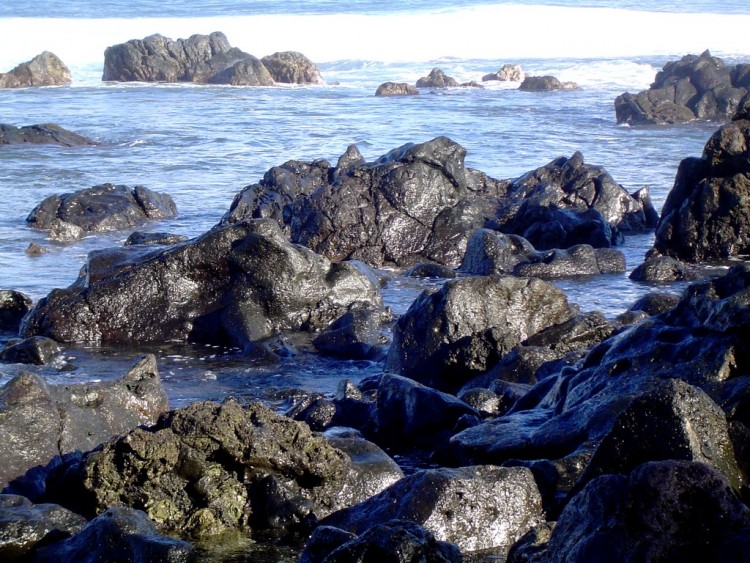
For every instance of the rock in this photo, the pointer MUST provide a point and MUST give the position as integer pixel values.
(323, 541)
(119, 534)
(291, 67)
(24, 527)
(164, 239)
(661, 511)
(37, 350)
(13, 306)
(545, 84)
(43, 134)
(46, 69)
(532, 547)
(508, 73)
(437, 79)
(398, 541)
(248, 71)
(102, 208)
(43, 421)
(655, 303)
(694, 87)
(355, 335)
(448, 336)
(706, 214)
(491, 252)
(429, 270)
(456, 505)
(396, 89)
(235, 285)
(35, 250)
(579, 260)
(664, 269)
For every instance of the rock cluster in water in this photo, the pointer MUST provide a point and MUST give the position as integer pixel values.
(546, 434)
(46, 69)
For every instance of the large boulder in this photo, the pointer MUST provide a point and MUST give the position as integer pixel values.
(545, 84)
(40, 421)
(707, 213)
(235, 285)
(437, 79)
(694, 87)
(450, 335)
(290, 67)
(13, 306)
(396, 89)
(102, 208)
(46, 69)
(477, 508)
(507, 73)
(42, 134)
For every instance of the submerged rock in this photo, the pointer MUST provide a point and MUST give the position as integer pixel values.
(43, 134)
(37, 350)
(545, 84)
(396, 89)
(46, 69)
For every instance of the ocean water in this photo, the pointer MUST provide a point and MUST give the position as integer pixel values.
(202, 144)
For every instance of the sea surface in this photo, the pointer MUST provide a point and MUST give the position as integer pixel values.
(203, 144)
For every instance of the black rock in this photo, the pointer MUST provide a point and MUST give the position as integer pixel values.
(43, 134)
(13, 306)
(437, 79)
(37, 350)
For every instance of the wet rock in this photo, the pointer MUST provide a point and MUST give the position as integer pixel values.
(694, 87)
(46, 69)
(508, 73)
(532, 547)
(42, 134)
(486, 402)
(705, 215)
(323, 541)
(450, 335)
(119, 534)
(35, 249)
(429, 270)
(661, 511)
(355, 335)
(399, 541)
(456, 505)
(37, 350)
(290, 67)
(13, 306)
(491, 252)
(655, 303)
(248, 71)
(24, 526)
(102, 208)
(396, 89)
(664, 269)
(236, 286)
(545, 84)
(43, 421)
(437, 79)
(164, 239)
(579, 260)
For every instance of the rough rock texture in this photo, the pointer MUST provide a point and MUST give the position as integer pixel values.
(355, 335)
(40, 421)
(545, 84)
(37, 350)
(13, 306)
(119, 534)
(660, 269)
(694, 87)
(102, 208)
(396, 89)
(395, 541)
(42, 134)
(163, 239)
(508, 73)
(661, 511)
(466, 327)
(211, 468)
(480, 507)
(418, 202)
(234, 285)
(291, 67)
(491, 252)
(25, 526)
(437, 79)
(569, 202)
(46, 69)
(707, 213)
(701, 340)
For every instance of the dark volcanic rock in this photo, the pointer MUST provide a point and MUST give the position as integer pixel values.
(437, 79)
(664, 269)
(661, 511)
(694, 87)
(579, 260)
(491, 252)
(164, 239)
(545, 84)
(43, 134)
(707, 213)
(119, 534)
(291, 67)
(37, 350)
(13, 306)
(102, 208)
(42, 421)
(45, 69)
(234, 285)
(356, 334)
(396, 89)
(460, 506)
(448, 336)
(395, 541)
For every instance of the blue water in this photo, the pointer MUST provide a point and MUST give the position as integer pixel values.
(202, 144)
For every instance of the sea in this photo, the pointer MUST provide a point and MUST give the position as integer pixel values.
(202, 144)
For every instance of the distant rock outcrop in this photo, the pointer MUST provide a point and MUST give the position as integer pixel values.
(396, 89)
(203, 59)
(694, 87)
(508, 73)
(44, 134)
(46, 69)
(545, 84)
(437, 79)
